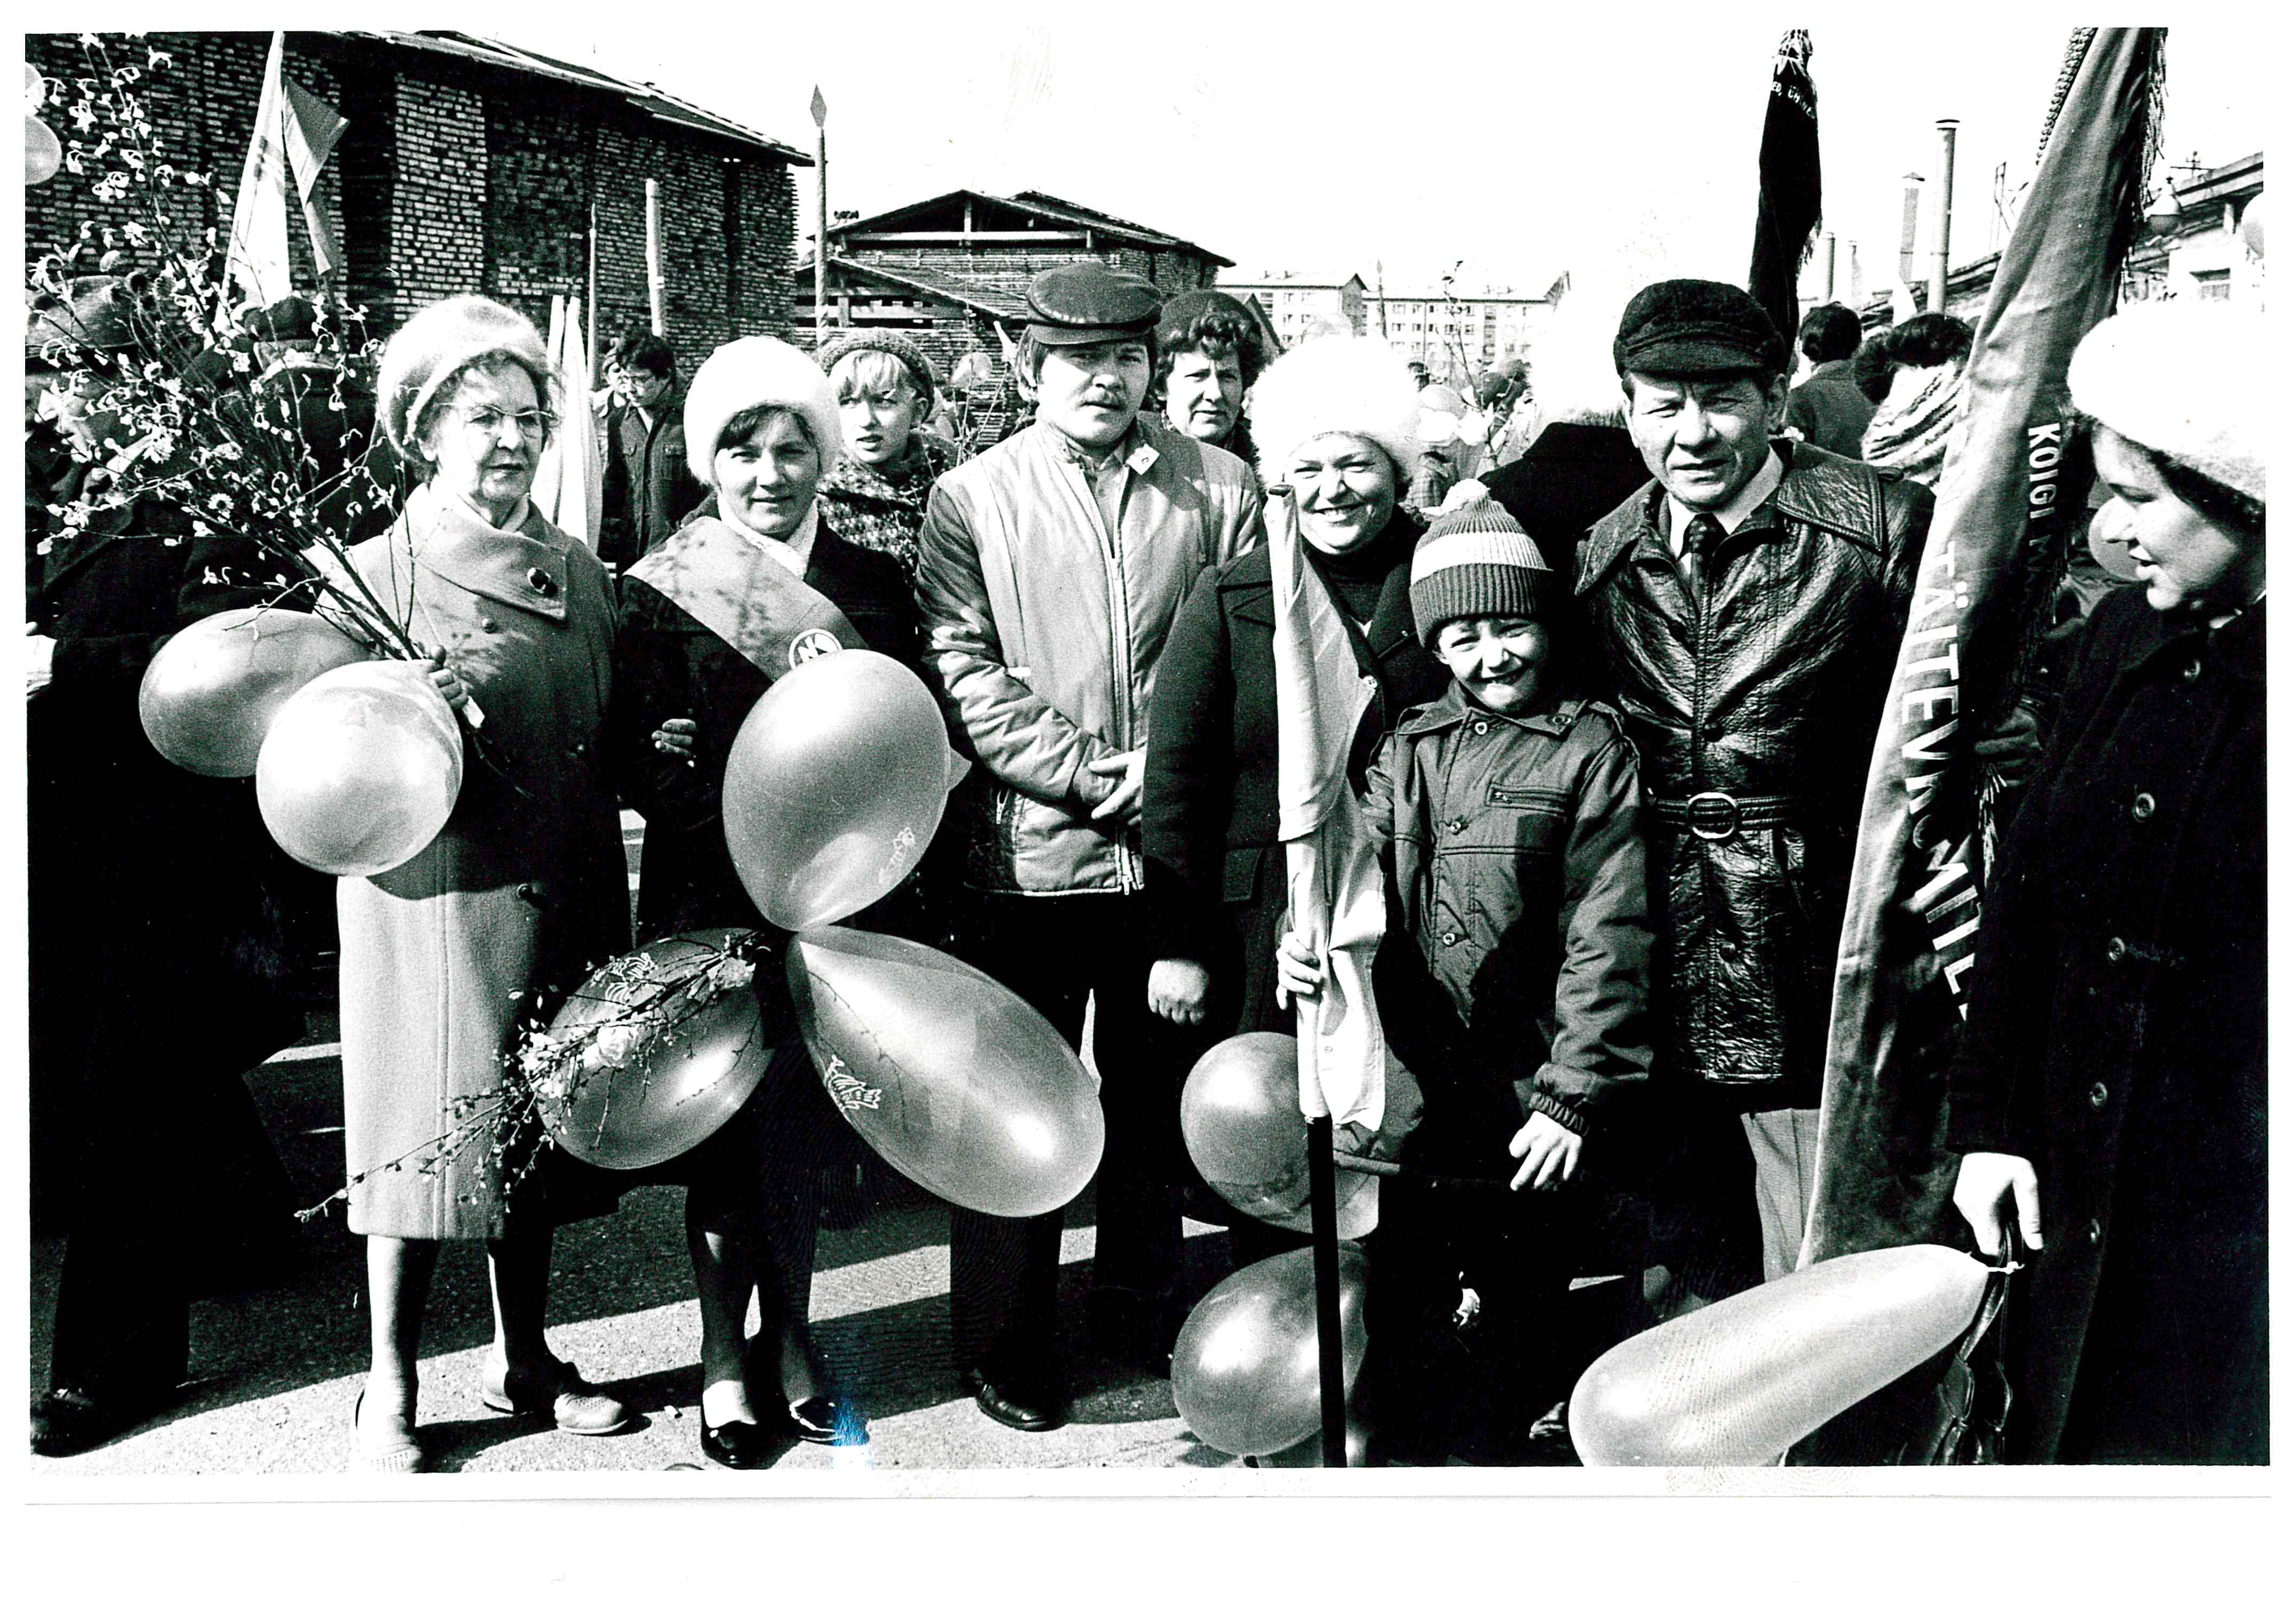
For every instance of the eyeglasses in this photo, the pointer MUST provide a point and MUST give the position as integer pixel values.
(535, 423)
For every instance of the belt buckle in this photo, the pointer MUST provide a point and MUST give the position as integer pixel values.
(1713, 827)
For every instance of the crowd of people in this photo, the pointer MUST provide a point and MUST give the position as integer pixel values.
(1626, 664)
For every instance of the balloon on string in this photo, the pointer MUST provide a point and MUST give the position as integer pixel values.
(1734, 1384)
(1240, 1119)
(658, 1075)
(360, 769)
(209, 695)
(956, 1083)
(834, 787)
(1246, 1375)
(43, 156)
(2251, 225)
(1308, 1453)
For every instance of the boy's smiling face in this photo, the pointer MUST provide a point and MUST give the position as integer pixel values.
(1497, 660)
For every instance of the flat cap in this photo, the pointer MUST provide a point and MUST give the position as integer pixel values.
(1072, 305)
(1696, 327)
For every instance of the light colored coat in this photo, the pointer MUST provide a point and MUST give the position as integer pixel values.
(521, 894)
(1043, 631)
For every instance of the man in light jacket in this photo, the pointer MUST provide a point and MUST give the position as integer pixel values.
(1049, 571)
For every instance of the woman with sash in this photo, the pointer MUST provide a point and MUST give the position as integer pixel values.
(752, 587)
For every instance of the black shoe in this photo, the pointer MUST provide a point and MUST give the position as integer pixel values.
(736, 1445)
(1023, 1409)
(67, 1421)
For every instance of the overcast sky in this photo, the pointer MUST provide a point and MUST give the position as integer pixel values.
(1616, 140)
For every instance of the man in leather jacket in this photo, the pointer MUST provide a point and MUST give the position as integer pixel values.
(1746, 609)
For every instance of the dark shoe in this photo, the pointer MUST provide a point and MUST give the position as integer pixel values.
(828, 1420)
(1014, 1408)
(736, 1445)
(67, 1421)
(576, 1405)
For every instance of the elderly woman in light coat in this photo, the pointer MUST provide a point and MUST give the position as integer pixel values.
(519, 897)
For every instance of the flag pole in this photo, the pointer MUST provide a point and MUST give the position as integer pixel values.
(1324, 1230)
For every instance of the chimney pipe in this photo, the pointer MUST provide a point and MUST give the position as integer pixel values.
(1947, 130)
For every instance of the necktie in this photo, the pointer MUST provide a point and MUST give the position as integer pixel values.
(1698, 541)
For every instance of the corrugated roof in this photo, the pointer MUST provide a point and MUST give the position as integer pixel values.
(650, 99)
(992, 301)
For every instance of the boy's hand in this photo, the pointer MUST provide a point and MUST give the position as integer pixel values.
(1299, 973)
(1548, 1150)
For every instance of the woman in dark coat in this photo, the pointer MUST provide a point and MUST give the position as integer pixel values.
(2110, 1097)
(158, 975)
(711, 619)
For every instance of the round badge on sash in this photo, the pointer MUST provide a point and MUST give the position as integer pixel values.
(811, 644)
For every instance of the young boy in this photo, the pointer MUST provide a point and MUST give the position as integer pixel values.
(1512, 984)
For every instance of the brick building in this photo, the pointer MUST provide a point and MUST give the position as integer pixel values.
(1298, 306)
(472, 165)
(950, 272)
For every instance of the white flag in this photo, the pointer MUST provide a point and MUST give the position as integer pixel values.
(295, 132)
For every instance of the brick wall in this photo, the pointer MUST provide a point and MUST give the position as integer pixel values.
(457, 176)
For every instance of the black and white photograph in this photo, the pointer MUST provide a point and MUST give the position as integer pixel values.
(921, 752)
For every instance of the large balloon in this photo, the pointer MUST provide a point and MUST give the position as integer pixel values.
(1239, 1118)
(1246, 1376)
(209, 695)
(360, 769)
(958, 1084)
(834, 787)
(663, 1069)
(1735, 1383)
(43, 156)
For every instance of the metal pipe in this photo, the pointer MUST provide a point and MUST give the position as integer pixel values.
(821, 243)
(1829, 265)
(655, 295)
(1910, 230)
(1948, 127)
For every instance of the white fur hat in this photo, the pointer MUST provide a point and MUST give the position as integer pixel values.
(1356, 384)
(2186, 380)
(755, 371)
(430, 348)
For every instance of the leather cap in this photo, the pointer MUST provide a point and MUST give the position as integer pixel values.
(1073, 305)
(1696, 327)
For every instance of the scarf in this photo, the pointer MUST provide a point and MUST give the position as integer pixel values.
(884, 507)
(1908, 431)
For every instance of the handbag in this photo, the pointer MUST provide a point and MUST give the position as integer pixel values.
(1970, 1406)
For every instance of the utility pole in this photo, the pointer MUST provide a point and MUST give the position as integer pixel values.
(1829, 265)
(656, 294)
(1378, 271)
(1910, 230)
(821, 241)
(1946, 128)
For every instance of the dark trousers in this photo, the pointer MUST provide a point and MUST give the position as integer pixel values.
(1055, 952)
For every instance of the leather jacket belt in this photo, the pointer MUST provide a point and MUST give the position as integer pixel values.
(1717, 816)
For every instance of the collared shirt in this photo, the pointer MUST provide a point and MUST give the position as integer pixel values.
(795, 551)
(1104, 473)
(1731, 515)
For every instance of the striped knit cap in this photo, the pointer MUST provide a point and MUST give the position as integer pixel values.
(1474, 561)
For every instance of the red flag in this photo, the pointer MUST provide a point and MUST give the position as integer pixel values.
(1786, 212)
(1996, 549)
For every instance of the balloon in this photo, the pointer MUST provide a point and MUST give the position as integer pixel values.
(663, 1074)
(1239, 1118)
(360, 769)
(1245, 1375)
(42, 155)
(2251, 225)
(834, 787)
(1735, 1383)
(2111, 532)
(959, 1085)
(209, 695)
(1309, 1452)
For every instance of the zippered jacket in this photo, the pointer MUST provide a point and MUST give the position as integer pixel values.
(1043, 630)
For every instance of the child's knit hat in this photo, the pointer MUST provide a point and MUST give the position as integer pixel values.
(1475, 562)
